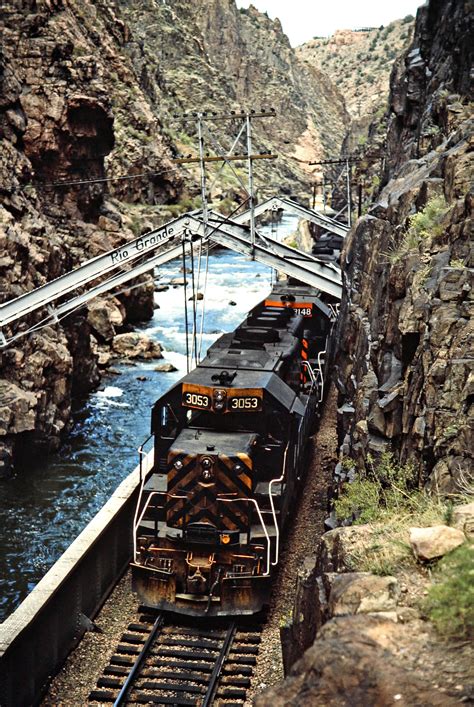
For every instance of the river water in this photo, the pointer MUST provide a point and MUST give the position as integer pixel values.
(44, 507)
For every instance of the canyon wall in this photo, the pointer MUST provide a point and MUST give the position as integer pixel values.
(89, 91)
(405, 365)
(58, 122)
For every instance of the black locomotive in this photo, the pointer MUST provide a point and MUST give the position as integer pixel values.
(229, 445)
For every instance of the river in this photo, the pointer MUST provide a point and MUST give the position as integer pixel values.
(45, 506)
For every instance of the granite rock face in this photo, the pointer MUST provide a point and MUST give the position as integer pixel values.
(213, 56)
(58, 123)
(350, 665)
(404, 368)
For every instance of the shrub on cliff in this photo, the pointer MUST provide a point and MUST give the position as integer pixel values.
(386, 496)
(423, 227)
(380, 488)
(450, 603)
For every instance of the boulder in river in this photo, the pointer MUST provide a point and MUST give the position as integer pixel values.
(104, 316)
(165, 368)
(136, 345)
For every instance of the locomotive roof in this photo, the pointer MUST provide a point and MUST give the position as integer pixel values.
(299, 292)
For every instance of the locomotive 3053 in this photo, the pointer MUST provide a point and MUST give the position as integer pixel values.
(229, 445)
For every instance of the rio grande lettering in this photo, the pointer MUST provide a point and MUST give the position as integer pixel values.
(140, 245)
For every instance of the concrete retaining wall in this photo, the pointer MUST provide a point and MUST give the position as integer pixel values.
(37, 637)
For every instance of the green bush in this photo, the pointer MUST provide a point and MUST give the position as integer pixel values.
(387, 498)
(422, 228)
(385, 486)
(450, 603)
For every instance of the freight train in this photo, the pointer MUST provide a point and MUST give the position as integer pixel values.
(229, 447)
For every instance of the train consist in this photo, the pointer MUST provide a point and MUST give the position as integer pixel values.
(229, 446)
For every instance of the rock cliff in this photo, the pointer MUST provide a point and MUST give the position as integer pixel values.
(58, 122)
(209, 56)
(404, 369)
(359, 62)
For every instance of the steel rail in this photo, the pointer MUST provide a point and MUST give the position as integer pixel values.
(123, 694)
(216, 672)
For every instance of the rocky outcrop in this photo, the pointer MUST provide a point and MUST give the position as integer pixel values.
(136, 345)
(58, 125)
(359, 638)
(359, 64)
(436, 541)
(404, 368)
(351, 664)
(215, 57)
(463, 518)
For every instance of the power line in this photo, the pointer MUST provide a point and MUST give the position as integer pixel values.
(99, 180)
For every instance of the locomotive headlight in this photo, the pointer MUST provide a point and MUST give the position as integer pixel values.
(178, 465)
(218, 405)
(239, 468)
(206, 466)
(219, 396)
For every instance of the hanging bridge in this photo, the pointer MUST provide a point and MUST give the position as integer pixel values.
(187, 233)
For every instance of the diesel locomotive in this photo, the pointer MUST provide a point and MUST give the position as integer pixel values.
(229, 445)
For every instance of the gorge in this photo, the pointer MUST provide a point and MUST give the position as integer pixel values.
(91, 106)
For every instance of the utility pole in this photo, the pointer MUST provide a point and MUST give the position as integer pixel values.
(202, 173)
(348, 189)
(226, 156)
(250, 173)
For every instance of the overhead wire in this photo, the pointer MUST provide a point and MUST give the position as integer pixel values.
(101, 180)
(185, 306)
(193, 339)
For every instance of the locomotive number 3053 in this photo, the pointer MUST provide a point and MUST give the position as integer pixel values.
(248, 403)
(197, 400)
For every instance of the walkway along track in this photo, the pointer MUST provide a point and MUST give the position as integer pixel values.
(163, 661)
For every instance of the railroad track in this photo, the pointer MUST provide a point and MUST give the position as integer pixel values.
(163, 663)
